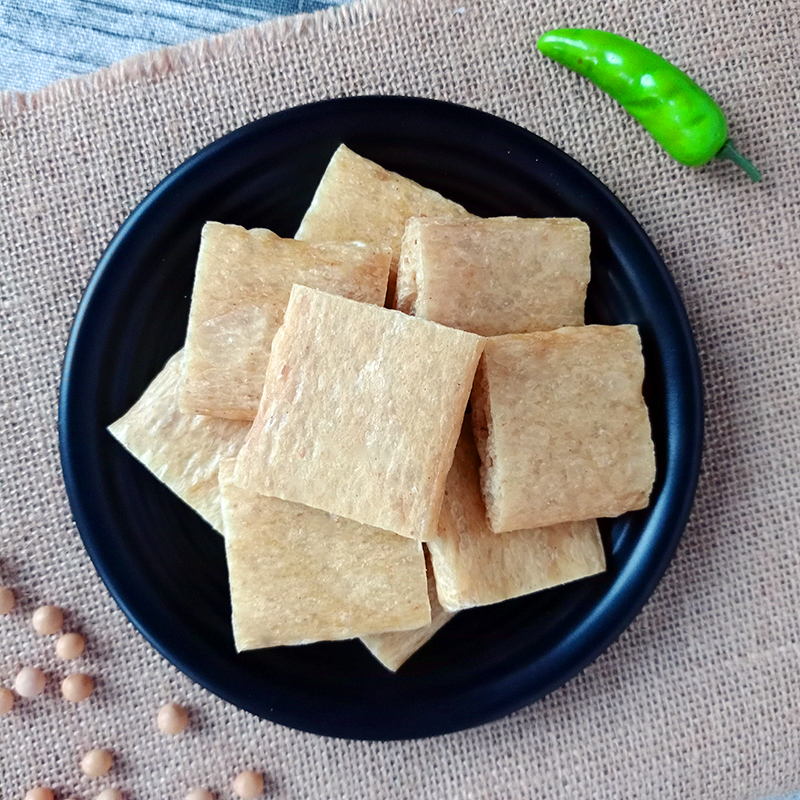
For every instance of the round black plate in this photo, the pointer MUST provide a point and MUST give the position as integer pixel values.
(166, 568)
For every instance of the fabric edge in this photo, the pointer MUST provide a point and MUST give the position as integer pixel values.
(174, 59)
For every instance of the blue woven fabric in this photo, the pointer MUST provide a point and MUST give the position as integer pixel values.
(42, 41)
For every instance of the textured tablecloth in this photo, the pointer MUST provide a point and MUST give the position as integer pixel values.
(700, 697)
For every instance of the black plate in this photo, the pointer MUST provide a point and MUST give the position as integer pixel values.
(166, 568)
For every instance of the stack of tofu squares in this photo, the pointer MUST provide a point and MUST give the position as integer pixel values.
(401, 372)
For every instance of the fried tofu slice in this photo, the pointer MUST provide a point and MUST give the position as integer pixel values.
(361, 412)
(395, 648)
(299, 575)
(183, 451)
(358, 200)
(561, 426)
(473, 566)
(495, 276)
(241, 287)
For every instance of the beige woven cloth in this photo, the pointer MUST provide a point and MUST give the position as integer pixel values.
(700, 698)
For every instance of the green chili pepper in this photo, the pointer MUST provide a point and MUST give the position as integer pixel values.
(679, 115)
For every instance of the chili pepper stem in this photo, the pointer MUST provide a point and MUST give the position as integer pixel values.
(732, 154)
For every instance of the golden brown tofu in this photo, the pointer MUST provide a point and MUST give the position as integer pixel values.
(474, 566)
(241, 288)
(561, 426)
(495, 276)
(182, 450)
(395, 648)
(361, 411)
(358, 200)
(300, 575)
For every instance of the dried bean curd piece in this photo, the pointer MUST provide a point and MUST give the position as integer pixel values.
(562, 427)
(299, 575)
(358, 200)
(361, 422)
(495, 276)
(475, 566)
(182, 450)
(241, 287)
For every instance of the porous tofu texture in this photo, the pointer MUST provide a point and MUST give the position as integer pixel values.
(358, 200)
(361, 411)
(183, 451)
(562, 427)
(241, 287)
(299, 575)
(395, 648)
(474, 566)
(495, 276)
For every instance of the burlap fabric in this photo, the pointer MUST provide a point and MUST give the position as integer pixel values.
(700, 698)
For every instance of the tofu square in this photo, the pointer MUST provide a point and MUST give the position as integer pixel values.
(495, 276)
(562, 427)
(358, 200)
(183, 451)
(473, 566)
(241, 287)
(361, 411)
(393, 649)
(299, 575)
